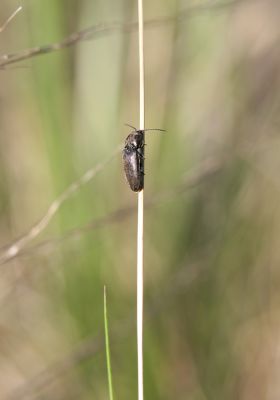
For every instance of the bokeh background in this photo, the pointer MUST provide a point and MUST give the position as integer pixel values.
(212, 221)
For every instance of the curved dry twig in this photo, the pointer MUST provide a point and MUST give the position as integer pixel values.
(103, 29)
(13, 249)
(8, 20)
(194, 178)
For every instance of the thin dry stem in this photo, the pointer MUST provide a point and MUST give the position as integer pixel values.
(13, 249)
(140, 226)
(193, 178)
(6, 23)
(100, 30)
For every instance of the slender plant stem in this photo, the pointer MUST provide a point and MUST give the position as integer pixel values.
(140, 212)
(101, 30)
(15, 248)
(6, 23)
(107, 344)
(140, 293)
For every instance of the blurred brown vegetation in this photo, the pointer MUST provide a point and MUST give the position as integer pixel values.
(212, 192)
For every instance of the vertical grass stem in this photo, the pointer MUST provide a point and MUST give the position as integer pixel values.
(107, 345)
(140, 212)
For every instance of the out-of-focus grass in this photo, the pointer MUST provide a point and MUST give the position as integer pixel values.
(211, 254)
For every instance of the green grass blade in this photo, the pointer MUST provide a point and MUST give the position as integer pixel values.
(108, 358)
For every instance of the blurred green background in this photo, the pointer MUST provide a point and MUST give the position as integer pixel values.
(212, 328)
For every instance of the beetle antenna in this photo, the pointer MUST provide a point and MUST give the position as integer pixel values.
(154, 129)
(144, 130)
(133, 127)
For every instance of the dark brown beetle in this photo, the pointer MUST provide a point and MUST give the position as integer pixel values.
(133, 158)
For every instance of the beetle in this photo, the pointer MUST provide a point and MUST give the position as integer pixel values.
(133, 158)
